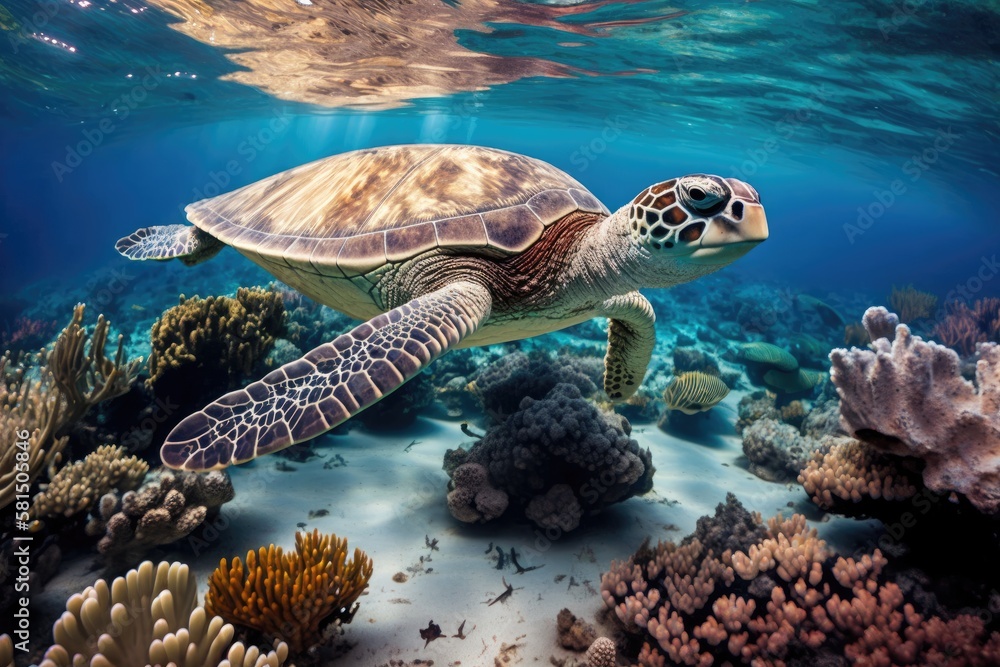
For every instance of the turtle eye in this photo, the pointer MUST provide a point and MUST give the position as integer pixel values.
(697, 194)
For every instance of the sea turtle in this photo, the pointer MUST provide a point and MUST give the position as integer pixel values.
(440, 247)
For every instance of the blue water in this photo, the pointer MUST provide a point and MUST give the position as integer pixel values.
(870, 132)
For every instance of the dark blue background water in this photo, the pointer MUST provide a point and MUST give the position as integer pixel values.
(874, 147)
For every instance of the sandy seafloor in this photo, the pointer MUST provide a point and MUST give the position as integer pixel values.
(387, 501)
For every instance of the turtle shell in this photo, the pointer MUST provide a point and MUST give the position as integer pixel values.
(351, 213)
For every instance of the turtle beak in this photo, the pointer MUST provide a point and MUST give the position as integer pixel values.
(732, 235)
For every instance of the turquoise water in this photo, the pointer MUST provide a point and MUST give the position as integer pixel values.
(869, 129)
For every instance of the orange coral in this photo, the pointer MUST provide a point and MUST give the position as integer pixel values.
(295, 597)
(766, 592)
(911, 304)
(851, 471)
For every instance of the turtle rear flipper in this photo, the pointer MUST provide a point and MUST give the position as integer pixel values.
(183, 242)
(330, 384)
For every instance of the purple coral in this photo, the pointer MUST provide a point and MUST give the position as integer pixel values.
(907, 397)
(559, 458)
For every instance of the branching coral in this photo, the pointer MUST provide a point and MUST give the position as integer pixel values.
(78, 485)
(907, 397)
(774, 595)
(911, 304)
(298, 597)
(169, 506)
(218, 337)
(965, 326)
(148, 617)
(562, 439)
(40, 398)
(846, 470)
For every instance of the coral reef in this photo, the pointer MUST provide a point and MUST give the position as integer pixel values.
(964, 326)
(471, 497)
(692, 359)
(299, 597)
(41, 397)
(26, 334)
(848, 471)
(602, 653)
(213, 343)
(77, 486)
(756, 405)
(694, 391)
(907, 397)
(774, 594)
(776, 451)
(561, 439)
(149, 617)
(911, 304)
(574, 633)
(167, 507)
(501, 385)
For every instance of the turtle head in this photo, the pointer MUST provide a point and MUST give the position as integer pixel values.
(698, 220)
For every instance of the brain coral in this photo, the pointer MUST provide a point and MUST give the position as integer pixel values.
(561, 439)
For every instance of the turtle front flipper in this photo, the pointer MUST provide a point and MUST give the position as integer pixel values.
(631, 338)
(331, 383)
(184, 242)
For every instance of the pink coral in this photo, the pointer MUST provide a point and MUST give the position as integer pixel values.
(907, 397)
(781, 595)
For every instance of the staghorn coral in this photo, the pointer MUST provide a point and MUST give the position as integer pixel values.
(78, 485)
(561, 439)
(169, 506)
(845, 470)
(907, 397)
(777, 597)
(964, 326)
(218, 339)
(148, 617)
(693, 392)
(42, 396)
(911, 304)
(298, 597)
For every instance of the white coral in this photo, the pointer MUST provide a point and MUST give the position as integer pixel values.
(907, 397)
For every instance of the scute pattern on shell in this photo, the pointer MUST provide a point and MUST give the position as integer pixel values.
(359, 209)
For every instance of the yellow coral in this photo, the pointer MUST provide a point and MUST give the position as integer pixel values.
(148, 617)
(78, 486)
(294, 597)
(226, 334)
(911, 304)
(42, 396)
